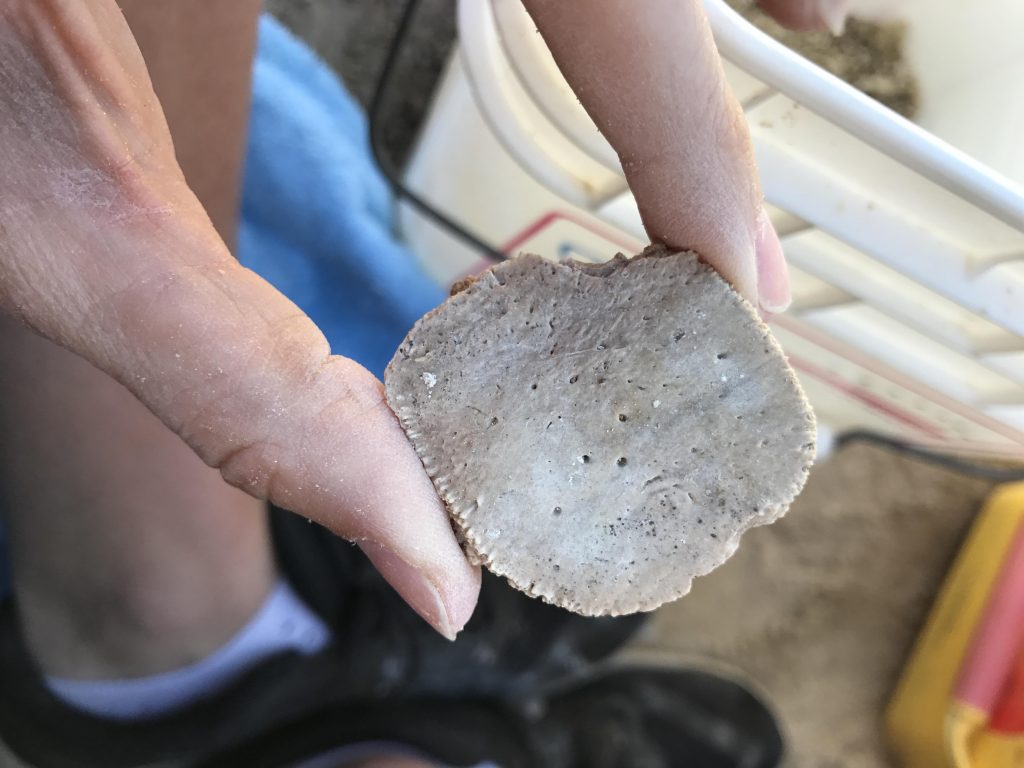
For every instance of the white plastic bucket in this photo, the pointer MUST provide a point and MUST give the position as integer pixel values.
(907, 255)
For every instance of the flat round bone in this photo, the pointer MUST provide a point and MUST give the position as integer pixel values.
(602, 434)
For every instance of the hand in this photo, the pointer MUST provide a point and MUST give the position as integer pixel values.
(651, 78)
(105, 250)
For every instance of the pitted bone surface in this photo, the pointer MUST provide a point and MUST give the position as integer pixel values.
(601, 434)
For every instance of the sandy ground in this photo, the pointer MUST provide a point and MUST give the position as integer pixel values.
(817, 612)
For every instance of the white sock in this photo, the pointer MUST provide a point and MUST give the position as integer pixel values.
(282, 623)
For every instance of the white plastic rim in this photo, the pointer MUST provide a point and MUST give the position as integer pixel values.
(862, 116)
(528, 134)
(528, 54)
(500, 93)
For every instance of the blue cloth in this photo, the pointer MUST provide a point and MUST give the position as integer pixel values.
(317, 213)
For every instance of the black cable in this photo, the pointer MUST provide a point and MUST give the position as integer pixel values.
(387, 163)
(391, 173)
(964, 466)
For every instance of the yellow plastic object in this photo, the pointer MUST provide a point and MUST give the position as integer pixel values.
(995, 750)
(927, 727)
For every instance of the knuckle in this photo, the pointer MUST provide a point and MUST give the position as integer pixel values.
(251, 467)
(731, 132)
(354, 393)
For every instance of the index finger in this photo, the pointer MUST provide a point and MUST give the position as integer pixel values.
(651, 78)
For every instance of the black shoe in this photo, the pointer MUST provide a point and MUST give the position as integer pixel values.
(631, 717)
(381, 651)
(512, 644)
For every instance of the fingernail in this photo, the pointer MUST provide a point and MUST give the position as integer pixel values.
(773, 292)
(413, 586)
(833, 13)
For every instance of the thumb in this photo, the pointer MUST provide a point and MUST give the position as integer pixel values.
(248, 381)
(105, 250)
